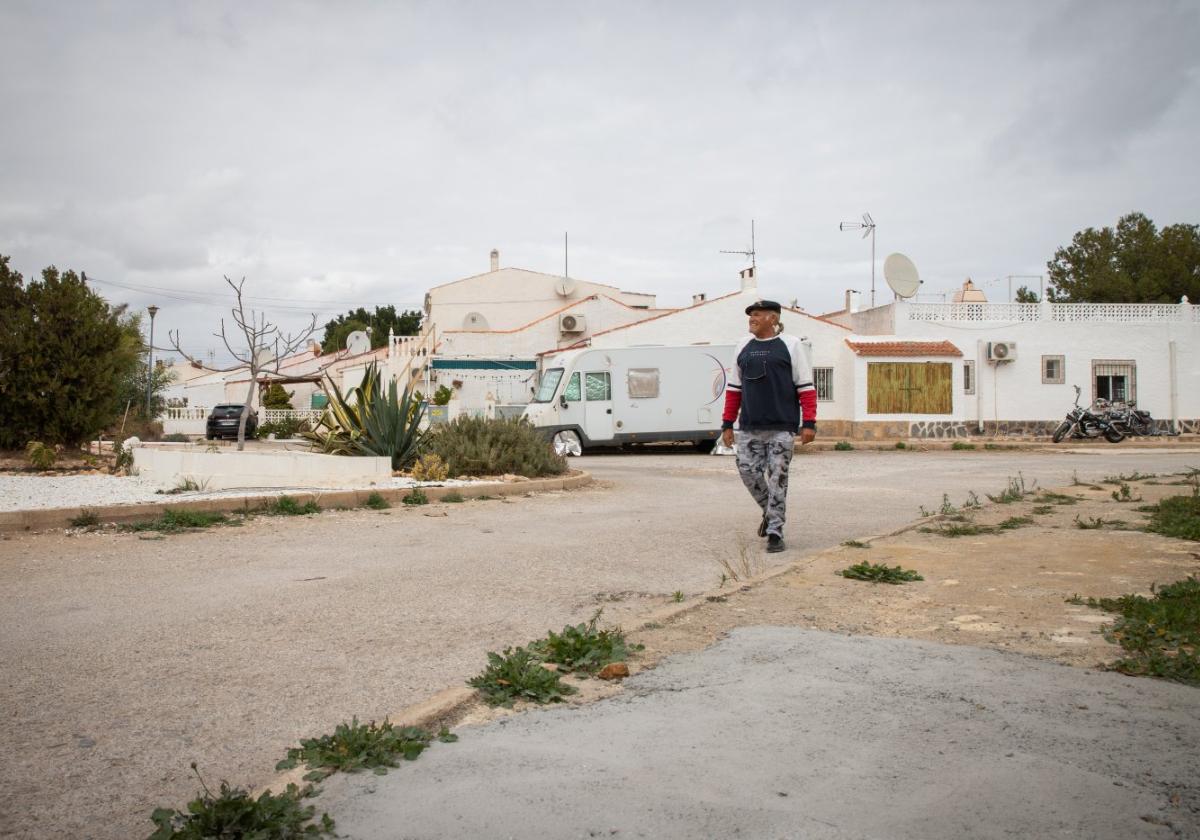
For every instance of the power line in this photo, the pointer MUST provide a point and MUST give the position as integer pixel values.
(194, 296)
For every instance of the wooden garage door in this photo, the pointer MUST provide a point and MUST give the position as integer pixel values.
(909, 388)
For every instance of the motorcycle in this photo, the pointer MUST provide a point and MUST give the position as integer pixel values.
(1131, 421)
(1084, 423)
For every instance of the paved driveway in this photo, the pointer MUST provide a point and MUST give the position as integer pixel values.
(122, 659)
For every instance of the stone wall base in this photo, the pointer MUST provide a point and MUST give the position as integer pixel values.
(953, 429)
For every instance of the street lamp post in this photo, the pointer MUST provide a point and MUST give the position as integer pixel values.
(867, 225)
(153, 310)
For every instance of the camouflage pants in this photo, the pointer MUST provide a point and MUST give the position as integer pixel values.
(763, 459)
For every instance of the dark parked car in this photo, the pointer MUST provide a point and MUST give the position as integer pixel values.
(223, 421)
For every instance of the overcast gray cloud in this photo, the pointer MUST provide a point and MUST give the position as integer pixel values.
(359, 153)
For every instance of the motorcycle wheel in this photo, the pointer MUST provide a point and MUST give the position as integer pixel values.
(1113, 435)
(1062, 431)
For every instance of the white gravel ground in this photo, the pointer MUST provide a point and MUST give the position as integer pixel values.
(37, 492)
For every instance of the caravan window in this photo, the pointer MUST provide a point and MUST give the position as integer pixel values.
(643, 383)
(571, 392)
(598, 386)
(550, 380)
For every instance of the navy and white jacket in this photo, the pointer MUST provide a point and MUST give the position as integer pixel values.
(770, 386)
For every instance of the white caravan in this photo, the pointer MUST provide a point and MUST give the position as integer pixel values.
(618, 395)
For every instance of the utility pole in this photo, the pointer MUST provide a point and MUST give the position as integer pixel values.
(153, 310)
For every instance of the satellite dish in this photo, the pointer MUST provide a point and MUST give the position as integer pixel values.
(564, 286)
(901, 275)
(358, 342)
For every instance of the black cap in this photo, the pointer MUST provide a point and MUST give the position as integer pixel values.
(768, 305)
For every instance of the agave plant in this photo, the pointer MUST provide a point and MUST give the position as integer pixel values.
(371, 420)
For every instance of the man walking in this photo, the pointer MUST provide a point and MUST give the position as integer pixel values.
(771, 395)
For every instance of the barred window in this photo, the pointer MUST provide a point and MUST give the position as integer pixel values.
(823, 380)
(1114, 380)
(1053, 370)
(968, 377)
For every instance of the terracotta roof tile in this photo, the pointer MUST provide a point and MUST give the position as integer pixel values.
(903, 348)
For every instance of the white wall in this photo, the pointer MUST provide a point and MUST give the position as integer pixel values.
(1014, 390)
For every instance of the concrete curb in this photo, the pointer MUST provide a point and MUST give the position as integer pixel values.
(48, 519)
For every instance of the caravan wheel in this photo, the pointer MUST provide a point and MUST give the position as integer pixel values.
(567, 442)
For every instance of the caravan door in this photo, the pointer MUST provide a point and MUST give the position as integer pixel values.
(598, 411)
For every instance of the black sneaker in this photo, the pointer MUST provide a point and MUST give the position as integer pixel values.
(762, 527)
(775, 543)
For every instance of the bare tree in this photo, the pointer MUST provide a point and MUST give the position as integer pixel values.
(260, 347)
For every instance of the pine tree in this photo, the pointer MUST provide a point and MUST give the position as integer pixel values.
(63, 354)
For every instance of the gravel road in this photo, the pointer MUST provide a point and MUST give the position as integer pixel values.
(123, 658)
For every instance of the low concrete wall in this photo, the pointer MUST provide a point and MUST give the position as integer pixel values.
(230, 469)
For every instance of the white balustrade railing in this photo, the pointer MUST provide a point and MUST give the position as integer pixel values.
(196, 412)
(1111, 313)
(280, 415)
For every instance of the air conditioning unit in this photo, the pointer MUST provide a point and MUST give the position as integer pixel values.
(1001, 351)
(572, 323)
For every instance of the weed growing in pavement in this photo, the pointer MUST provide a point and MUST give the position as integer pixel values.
(582, 648)
(376, 502)
(959, 446)
(1122, 479)
(453, 497)
(1124, 494)
(358, 746)
(967, 529)
(747, 564)
(1014, 522)
(1160, 634)
(234, 813)
(178, 521)
(1176, 516)
(518, 674)
(855, 544)
(843, 446)
(1042, 510)
(1046, 497)
(1091, 523)
(288, 506)
(87, 518)
(949, 510)
(652, 625)
(677, 596)
(416, 496)
(1014, 492)
(901, 445)
(486, 498)
(879, 573)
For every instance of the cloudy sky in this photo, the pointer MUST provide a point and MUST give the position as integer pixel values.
(343, 154)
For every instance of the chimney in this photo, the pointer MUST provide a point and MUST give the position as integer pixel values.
(851, 300)
(699, 298)
(495, 259)
(748, 279)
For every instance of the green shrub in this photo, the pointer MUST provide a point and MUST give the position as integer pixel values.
(430, 467)
(277, 397)
(40, 456)
(175, 437)
(416, 496)
(376, 502)
(517, 674)
(843, 446)
(1014, 492)
(1161, 634)
(959, 445)
(174, 521)
(453, 497)
(358, 746)
(582, 648)
(87, 518)
(234, 814)
(879, 573)
(901, 445)
(481, 446)
(442, 395)
(289, 427)
(1176, 516)
(288, 506)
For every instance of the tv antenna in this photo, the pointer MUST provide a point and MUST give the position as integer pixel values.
(867, 226)
(749, 253)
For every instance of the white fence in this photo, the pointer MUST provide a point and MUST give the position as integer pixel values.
(193, 420)
(1111, 313)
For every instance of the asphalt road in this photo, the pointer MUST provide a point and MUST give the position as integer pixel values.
(123, 659)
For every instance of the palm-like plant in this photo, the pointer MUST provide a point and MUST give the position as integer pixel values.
(371, 420)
